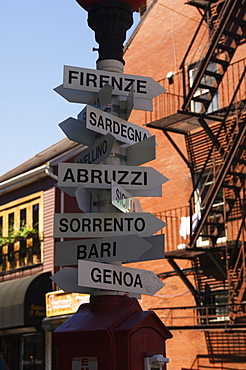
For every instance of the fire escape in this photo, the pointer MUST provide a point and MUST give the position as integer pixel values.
(215, 134)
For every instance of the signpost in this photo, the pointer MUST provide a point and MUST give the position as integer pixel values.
(86, 225)
(113, 277)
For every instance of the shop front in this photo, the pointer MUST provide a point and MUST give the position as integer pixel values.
(22, 308)
(59, 307)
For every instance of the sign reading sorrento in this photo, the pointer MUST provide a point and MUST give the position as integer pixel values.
(91, 80)
(83, 225)
(103, 123)
(113, 277)
(101, 176)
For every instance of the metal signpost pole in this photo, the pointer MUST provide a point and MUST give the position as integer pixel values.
(111, 332)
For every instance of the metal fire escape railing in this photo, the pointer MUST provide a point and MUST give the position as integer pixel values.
(218, 200)
(222, 43)
(220, 186)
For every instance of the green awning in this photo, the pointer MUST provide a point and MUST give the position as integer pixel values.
(22, 301)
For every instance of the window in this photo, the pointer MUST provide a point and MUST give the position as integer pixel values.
(215, 218)
(21, 233)
(204, 93)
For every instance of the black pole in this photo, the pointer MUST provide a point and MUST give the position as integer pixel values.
(110, 19)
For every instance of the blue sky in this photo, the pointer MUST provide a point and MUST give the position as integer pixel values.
(37, 39)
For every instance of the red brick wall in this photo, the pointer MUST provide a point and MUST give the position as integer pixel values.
(158, 48)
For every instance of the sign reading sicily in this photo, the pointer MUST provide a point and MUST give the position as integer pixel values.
(103, 123)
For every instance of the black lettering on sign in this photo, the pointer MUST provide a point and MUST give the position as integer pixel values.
(69, 175)
(141, 86)
(108, 276)
(72, 75)
(81, 252)
(129, 84)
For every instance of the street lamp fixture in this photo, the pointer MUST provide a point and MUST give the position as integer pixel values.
(110, 19)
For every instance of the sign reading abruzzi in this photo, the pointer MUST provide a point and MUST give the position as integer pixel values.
(72, 175)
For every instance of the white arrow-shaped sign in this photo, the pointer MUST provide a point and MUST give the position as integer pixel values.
(100, 176)
(113, 277)
(100, 150)
(102, 98)
(156, 252)
(83, 225)
(91, 80)
(67, 280)
(123, 200)
(121, 248)
(85, 97)
(103, 123)
(76, 131)
(141, 152)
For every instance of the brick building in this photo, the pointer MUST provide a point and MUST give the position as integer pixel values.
(196, 50)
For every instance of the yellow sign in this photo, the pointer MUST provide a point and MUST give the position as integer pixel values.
(61, 303)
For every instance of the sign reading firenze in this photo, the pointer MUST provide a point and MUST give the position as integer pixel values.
(93, 80)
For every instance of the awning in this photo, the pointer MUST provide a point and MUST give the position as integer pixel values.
(22, 301)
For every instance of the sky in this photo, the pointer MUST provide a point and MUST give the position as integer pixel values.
(37, 38)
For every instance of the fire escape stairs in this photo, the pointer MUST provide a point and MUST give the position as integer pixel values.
(228, 178)
(225, 37)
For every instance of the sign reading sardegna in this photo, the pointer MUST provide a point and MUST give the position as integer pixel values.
(103, 123)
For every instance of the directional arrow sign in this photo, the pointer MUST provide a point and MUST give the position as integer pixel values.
(102, 98)
(121, 248)
(77, 131)
(123, 200)
(156, 251)
(100, 176)
(93, 80)
(83, 225)
(85, 97)
(103, 122)
(141, 152)
(100, 150)
(113, 277)
(67, 280)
